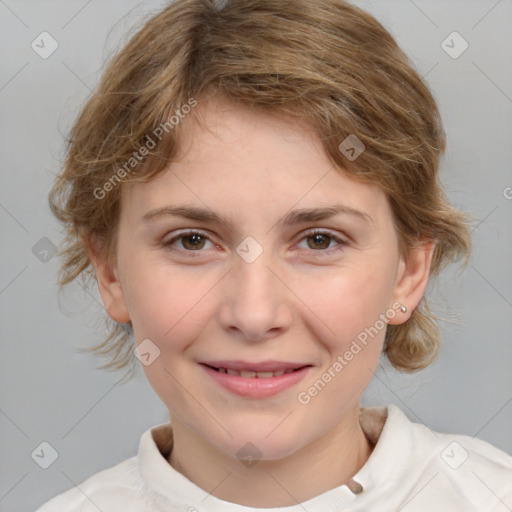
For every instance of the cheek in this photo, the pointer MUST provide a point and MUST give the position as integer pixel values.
(347, 301)
(163, 306)
(348, 309)
(167, 308)
(157, 293)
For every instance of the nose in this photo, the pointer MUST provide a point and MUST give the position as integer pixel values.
(255, 300)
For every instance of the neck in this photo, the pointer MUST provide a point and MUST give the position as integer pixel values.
(328, 462)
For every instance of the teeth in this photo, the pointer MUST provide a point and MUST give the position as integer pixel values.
(249, 374)
(264, 375)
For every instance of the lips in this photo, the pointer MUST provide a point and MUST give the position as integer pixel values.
(248, 374)
(256, 380)
(260, 370)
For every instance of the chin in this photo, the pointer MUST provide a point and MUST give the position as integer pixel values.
(261, 440)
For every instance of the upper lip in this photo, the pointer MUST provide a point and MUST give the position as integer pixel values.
(262, 366)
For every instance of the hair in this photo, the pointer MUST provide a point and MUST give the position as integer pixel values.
(327, 63)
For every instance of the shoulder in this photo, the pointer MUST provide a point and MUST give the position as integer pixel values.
(454, 450)
(130, 485)
(458, 465)
(126, 486)
(120, 485)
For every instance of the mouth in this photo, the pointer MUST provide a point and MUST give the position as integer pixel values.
(251, 374)
(255, 380)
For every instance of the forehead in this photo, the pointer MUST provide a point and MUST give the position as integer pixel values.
(218, 124)
(242, 160)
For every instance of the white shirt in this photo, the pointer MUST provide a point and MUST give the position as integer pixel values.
(411, 469)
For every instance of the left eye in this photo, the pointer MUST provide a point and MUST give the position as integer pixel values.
(321, 241)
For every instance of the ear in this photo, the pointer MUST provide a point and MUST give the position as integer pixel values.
(108, 281)
(412, 279)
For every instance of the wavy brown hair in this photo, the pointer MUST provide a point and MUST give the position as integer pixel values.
(326, 62)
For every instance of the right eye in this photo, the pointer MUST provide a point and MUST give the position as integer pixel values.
(190, 241)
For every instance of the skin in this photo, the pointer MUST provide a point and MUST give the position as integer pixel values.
(295, 302)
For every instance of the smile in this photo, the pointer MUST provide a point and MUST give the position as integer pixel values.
(256, 380)
(249, 374)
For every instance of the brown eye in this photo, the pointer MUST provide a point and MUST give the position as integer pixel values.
(193, 242)
(188, 242)
(322, 243)
(319, 241)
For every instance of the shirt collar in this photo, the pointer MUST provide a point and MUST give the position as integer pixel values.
(386, 428)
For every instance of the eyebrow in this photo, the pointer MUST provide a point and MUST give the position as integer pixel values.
(291, 218)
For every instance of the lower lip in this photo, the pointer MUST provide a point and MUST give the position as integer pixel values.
(255, 387)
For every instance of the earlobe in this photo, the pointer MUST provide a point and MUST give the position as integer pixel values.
(412, 279)
(109, 285)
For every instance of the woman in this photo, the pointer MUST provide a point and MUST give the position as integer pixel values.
(254, 186)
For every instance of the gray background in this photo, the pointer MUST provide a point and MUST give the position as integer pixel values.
(51, 392)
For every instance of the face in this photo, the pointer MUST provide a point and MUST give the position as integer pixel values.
(251, 252)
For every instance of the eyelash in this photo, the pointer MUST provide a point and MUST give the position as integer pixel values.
(320, 252)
